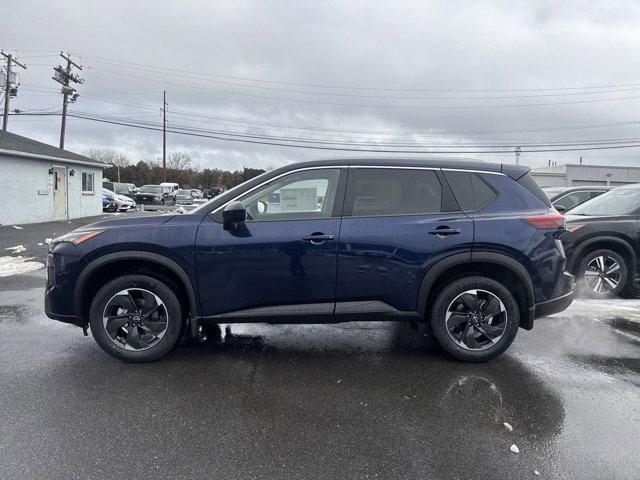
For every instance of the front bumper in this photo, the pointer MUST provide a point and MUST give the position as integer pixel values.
(565, 292)
(148, 201)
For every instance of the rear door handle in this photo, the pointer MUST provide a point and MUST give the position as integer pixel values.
(317, 238)
(445, 231)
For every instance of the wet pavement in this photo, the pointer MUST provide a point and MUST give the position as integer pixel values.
(355, 400)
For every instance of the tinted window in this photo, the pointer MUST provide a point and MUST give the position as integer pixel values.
(572, 199)
(471, 191)
(530, 184)
(385, 191)
(150, 189)
(619, 201)
(297, 196)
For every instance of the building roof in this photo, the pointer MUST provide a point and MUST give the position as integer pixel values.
(562, 169)
(17, 145)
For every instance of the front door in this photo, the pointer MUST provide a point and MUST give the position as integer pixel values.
(59, 193)
(397, 223)
(282, 260)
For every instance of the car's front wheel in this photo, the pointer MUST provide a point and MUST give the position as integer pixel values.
(475, 318)
(602, 274)
(136, 318)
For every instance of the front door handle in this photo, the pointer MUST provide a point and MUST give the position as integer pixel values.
(318, 238)
(445, 231)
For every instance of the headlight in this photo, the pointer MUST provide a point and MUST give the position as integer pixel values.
(76, 237)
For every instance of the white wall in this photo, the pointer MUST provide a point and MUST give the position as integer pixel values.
(549, 180)
(21, 180)
(84, 205)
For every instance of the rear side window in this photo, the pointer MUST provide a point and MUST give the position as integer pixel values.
(573, 199)
(530, 184)
(471, 191)
(386, 191)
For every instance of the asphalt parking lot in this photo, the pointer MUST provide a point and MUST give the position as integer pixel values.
(366, 400)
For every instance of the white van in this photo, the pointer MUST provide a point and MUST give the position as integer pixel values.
(172, 186)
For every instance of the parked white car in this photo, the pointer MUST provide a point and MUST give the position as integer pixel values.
(124, 203)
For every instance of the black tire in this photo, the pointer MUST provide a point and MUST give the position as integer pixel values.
(504, 324)
(587, 282)
(168, 316)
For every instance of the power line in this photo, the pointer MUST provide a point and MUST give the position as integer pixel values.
(351, 87)
(631, 143)
(359, 95)
(337, 104)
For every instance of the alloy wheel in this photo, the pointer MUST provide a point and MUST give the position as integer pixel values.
(476, 319)
(135, 319)
(603, 274)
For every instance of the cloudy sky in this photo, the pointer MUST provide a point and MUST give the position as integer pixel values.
(418, 76)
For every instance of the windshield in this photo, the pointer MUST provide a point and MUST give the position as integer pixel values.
(183, 192)
(619, 201)
(150, 189)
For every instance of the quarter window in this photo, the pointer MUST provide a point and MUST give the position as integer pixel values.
(471, 192)
(298, 196)
(387, 191)
(87, 182)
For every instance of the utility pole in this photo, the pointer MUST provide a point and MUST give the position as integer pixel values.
(164, 136)
(8, 91)
(518, 150)
(64, 76)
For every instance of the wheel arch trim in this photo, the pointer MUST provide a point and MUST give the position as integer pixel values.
(478, 257)
(114, 257)
(578, 253)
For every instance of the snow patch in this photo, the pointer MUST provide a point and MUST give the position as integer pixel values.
(514, 448)
(17, 249)
(17, 227)
(48, 240)
(16, 265)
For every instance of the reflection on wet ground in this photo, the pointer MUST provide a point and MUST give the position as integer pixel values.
(350, 401)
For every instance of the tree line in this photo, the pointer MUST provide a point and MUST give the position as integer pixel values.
(179, 170)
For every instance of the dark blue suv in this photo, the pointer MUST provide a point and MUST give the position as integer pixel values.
(470, 249)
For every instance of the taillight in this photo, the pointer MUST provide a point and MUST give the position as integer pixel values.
(549, 221)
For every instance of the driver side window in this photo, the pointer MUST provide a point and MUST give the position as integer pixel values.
(298, 196)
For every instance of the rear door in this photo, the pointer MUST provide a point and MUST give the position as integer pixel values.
(397, 222)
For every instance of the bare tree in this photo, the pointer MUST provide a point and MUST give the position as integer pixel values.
(108, 155)
(179, 160)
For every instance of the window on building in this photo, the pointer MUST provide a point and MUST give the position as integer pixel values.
(87, 182)
(385, 191)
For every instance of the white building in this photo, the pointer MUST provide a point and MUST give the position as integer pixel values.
(41, 183)
(574, 175)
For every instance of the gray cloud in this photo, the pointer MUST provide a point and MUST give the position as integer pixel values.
(404, 45)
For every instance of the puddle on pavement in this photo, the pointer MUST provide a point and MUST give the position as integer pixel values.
(15, 314)
(623, 324)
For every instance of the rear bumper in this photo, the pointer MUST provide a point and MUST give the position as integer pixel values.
(553, 306)
(565, 291)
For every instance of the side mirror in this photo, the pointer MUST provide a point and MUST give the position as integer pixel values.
(233, 214)
(560, 209)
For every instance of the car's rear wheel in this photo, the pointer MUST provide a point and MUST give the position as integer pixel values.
(475, 318)
(136, 318)
(602, 274)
